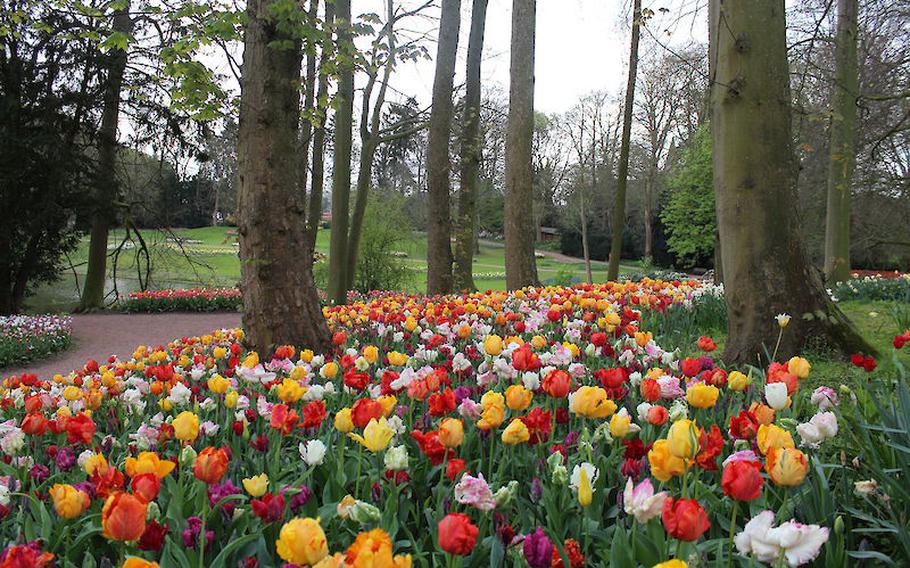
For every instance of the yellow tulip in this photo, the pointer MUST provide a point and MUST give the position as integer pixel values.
(701, 395)
(773, 436)
(799, 367)
(95, 462)
(302, 542)
(371, 353)
(786, 466)
(218, 384)
(149, 462)
(664, 465)
(230, 400)
(343, 422)
(515, 433)
(492, 345)
(518, 398)
(290, 391)
(620, 425)
(592, 402)
(451, 432)
(737, 381)
(69, 502)
(257, 485)
(376, 435)
(683, 439)
(186, 426)
(585, 494)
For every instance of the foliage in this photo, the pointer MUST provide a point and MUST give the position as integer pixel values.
(563, 277)
(873, 288)
(689, 216)
(27, 338)
(192, 300)
(385, 229)
(42, 167)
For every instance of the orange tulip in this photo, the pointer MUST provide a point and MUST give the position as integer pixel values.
(123, 517)
(211, 465)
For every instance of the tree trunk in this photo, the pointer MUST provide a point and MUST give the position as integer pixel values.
(309, 92)
(584, 243)
(471, 152)
(842, 149)
(106, 182)
(314, 209)
(364, 175)
(341, 170)
(622, 181)
(439, 232)
(521, 266)
(648, 214)
(718, 264)
(281, 305)
(765, 268)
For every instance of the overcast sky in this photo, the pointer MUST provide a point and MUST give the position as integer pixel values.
(582, 45)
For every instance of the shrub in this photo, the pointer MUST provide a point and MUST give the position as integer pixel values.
(379, 262)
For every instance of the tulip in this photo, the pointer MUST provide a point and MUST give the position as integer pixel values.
(776, 395)
(641, 502)
(742, 480)
(672, 563)
(799, 543)
(492, 345)
(557, 383)
(683, 439)
(737, 381)
(786, 466)
(149, 462)
(69, 502)
(664, 464)
(93, 463)
(582, 481)
(343, 421)
(146, 486)
(257, 485)
(799, 367)
(476, 492)
(372, 548)
(516, 433)
(210, 465)
(684, 519)
(591, 402)
(518, 397)
(538, 549)
(457, 534)
(772, 436)
(123, 517)
(302, 541)
(376, 436)
(186, 426)
(701, 395)
(134, 562)
(620, 424)
(451, 432)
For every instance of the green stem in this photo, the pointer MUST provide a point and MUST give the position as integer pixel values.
(732, 530)
(777, 345)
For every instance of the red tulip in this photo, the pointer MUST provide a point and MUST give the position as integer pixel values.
(211, 465)
(457, 534)
(742, 480)
(146, 486)
(684, 519)
(557, 383)
(744, 426)
(364, 410)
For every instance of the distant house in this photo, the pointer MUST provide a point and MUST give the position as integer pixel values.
(549, 234)
(326, 219)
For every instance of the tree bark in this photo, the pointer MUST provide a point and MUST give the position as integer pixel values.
(521, 266)
(842, 151)
(439, 232)
(314, 209)
(586, 251)
(471, 153)
(765, 268)
(619, 206)
(341, 170)
(281, 305)
(648, 216)
(104, 213)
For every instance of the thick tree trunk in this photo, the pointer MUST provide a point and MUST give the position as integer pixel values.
(521, 266)
(314, 209)
(281, 305)
(766, 271)
(106, 182)
(622, 181)
(471, 152)
(341, 170)
(842, 149)
(439, 231)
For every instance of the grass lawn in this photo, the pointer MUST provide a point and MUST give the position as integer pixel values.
(209, 258)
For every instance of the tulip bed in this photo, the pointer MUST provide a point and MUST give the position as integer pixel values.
(544, 427)
(190, 300)
(26, 338)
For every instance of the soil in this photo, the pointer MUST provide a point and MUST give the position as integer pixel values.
(98, 336)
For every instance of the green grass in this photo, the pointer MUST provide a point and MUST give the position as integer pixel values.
(211, 260)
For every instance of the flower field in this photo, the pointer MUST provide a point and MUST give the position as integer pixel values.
(190, 300)
(25, 338)
(544, 427)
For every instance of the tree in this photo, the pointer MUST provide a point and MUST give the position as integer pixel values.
(688, 215)
(622, 177)
(765, 268)
(521, 266)
(106, 182)
(439, 233)
(341, 169)
(281, 305)
(471, 153)
(46, 100)
(842, 150)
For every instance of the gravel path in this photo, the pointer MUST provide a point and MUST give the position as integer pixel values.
(98, 336)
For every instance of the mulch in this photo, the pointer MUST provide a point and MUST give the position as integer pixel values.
(98, 336)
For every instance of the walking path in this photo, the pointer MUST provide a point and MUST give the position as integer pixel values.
(98, 336)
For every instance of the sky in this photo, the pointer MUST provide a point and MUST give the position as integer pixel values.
(582, 45)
